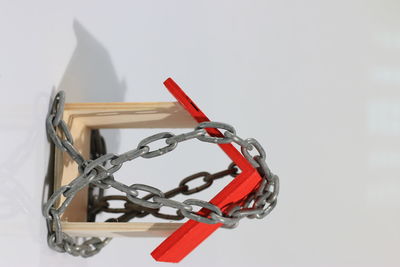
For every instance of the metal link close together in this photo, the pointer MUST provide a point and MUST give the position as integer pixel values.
(131, 210)
(97, 173)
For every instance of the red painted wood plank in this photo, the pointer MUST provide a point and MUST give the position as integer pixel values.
(199, 116)
(186, 238)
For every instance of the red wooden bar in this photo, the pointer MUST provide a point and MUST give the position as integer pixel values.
(186, 238)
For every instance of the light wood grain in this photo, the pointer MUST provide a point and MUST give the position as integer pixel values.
(129, 229)
(81, 118)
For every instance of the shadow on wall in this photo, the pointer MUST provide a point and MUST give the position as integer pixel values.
(91, 77)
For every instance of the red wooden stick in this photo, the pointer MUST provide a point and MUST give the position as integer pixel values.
(186, 238)
(199, 116)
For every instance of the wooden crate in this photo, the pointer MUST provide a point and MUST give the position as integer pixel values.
(81, 118)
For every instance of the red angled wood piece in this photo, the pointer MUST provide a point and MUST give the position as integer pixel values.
(180, 243)
(199, 116)
(186, 238)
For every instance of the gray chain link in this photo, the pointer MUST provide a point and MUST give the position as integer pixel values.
(99, 172)
(101, 203)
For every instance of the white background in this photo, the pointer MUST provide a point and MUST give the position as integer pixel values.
(316, 82)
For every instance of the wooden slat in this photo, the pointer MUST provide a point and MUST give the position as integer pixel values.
(129, 229)
(81, 118)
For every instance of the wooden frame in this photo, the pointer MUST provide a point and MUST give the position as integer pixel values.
(182, 238)
(81, 118)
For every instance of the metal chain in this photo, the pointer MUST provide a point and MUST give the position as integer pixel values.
(98, 172)
(97, 148)
(131, 210)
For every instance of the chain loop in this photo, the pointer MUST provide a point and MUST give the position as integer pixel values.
(130, 155)
(203, 204)
(51, 131)
(185, 136)
(57, 108)
(198, 188)
(98, 171)
(128, 190)
(245, 151)
(52, 200)
(160, 151)
(236, 139)
(146, 203)
(73, 152)
(216, 125)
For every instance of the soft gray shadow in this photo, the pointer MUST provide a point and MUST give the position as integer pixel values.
(91, 77)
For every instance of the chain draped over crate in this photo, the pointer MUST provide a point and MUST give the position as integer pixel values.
(97, 173)
(131, 210)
